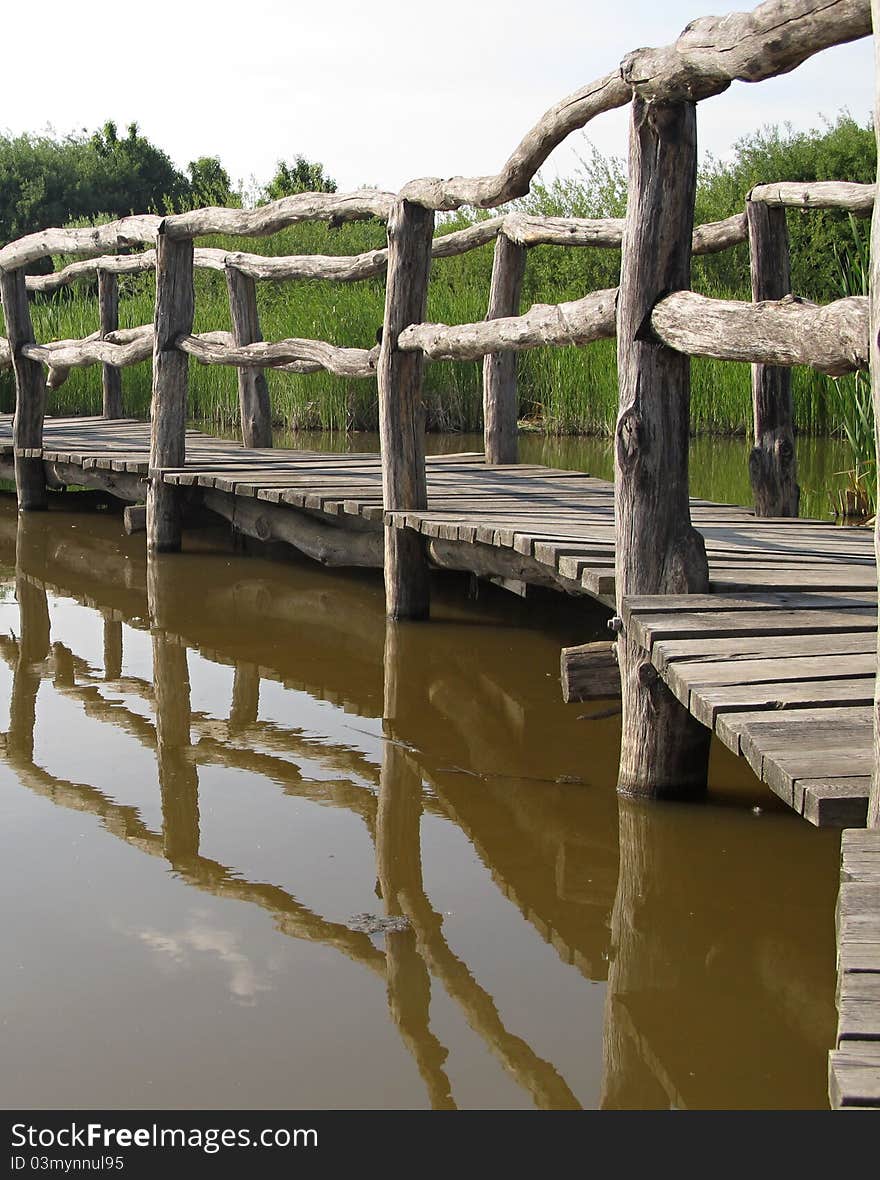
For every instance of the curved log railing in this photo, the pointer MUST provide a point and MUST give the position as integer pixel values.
(657, 239)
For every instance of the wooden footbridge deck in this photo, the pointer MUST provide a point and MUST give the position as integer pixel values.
(778, 660)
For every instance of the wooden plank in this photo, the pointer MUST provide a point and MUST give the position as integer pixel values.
(854, 1077)
(747, 647)
(707, 701)
(648, 629)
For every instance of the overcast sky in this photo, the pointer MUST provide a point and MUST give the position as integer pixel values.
(379, 93)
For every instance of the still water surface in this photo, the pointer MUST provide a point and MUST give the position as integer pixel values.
(219, 778)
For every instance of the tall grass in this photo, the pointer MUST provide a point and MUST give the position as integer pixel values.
(561, 390)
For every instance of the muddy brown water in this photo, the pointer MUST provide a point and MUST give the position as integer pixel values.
(207, 824)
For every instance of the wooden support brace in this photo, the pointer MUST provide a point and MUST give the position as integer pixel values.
(30, 394)
(401, 412)
(664, 751)
(111, 377)
(772, 461)
(589, 672)
(253, 389)
(175, 305)
(499, 368)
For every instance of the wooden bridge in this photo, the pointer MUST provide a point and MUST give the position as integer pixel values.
(754, 625)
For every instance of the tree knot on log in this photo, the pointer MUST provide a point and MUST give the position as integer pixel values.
(629, 438)
(647, 674)
(687, 568)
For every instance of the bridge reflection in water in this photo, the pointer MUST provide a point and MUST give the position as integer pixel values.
(708, 929)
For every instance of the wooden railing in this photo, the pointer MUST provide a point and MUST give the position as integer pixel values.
(659, 323)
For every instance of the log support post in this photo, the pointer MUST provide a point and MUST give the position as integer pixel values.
(401, 411)
(30, 395)
(253, 389)
(175, 304)
(664, 751)
(111, 376)
(772, 460)
(873, 820)
(499, 368)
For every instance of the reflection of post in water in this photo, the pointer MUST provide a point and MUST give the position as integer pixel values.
(638, 966)
(245, 697)
(112, 648)
(33, 644)
(178, 776)
(398, 843)
(400, 877)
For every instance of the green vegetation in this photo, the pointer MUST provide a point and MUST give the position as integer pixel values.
(562, 391)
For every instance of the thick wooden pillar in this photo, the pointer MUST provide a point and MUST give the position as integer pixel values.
(874, 796)
(499, 368)
(111, 377)
(30, 395)
(401, 411)
(253, 390)
(175, 305)
(664, 751)
(772, 461)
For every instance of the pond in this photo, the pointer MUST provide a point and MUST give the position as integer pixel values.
(262, 849)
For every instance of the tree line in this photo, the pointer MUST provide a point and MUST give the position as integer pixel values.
(46, 180)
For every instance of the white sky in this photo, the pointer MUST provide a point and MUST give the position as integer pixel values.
(379, 93)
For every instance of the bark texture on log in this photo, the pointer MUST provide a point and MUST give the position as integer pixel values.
(401, 411)
(316, 354)
(30, 394)
(873, 820)
(253, 390)
(500, 408)
(118, 264)
(175, 306)
(92, 240)
(714, 51)
(108, 309)
(268, 219)
(772, 461)
(817, 194)
(832, 339)
(664, 751)
(579, 322)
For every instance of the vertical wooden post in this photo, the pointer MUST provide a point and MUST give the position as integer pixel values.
(664, 751)
(873, 820)
(175, 305)
(772, 461)
(499, 368)
(30, 395)
(401, 412)
(253, 390)
(111, 377)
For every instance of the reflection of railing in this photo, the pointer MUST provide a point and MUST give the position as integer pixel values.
(183, 741)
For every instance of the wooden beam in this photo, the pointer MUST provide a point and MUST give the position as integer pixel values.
(664, 751)
(30, 394)
(175, 306)
(401, 412)
(772, 460)
(589, 672)
(111, 377)
(253, 391)
(499, 368)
